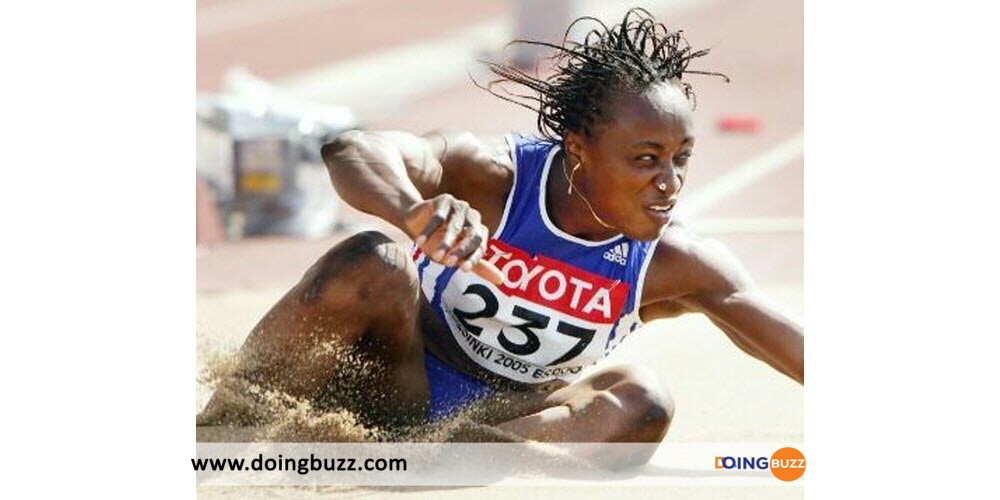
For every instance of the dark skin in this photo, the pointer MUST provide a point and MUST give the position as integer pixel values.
(448, 192)
(650, 143)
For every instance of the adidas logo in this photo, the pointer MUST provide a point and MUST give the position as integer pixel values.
(618, 253)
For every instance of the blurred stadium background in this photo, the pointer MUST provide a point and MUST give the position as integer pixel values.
(274, 77)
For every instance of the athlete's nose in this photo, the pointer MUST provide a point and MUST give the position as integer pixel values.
(669, 181)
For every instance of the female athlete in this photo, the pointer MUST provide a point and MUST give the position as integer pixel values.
(533, 257)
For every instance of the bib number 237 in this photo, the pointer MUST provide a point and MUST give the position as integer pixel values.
(533, 322)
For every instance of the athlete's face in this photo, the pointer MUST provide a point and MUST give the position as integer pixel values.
(645, 145)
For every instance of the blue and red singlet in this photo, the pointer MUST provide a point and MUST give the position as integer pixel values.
(565, 302)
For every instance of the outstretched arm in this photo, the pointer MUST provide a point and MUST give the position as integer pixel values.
(756, 327)
(708, 278)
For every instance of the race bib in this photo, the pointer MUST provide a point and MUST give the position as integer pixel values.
(547, 320)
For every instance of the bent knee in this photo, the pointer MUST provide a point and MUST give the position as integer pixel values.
(367, 267)
(647, 408)
(653, 420)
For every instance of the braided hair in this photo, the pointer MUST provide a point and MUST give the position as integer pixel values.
(630, 56)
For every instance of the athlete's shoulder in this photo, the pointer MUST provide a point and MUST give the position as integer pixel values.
(530, 148)
(686, 263)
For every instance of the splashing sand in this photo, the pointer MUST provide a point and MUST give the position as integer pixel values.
(255, 412)
(243, 409)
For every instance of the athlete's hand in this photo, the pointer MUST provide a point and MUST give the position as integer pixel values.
(451, 233)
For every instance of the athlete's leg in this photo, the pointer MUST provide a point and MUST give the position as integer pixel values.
(359, 302)
(621, 404)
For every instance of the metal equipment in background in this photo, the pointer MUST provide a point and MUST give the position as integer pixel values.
(259, 153)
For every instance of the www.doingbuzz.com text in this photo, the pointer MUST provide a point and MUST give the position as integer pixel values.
(299, 465)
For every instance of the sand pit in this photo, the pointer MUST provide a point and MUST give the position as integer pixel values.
(721, 394)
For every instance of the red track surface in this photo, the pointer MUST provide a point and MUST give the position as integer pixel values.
(278, 48)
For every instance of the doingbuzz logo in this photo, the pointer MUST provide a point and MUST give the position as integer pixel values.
(787, 464)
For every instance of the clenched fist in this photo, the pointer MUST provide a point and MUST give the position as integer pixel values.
(451, 233)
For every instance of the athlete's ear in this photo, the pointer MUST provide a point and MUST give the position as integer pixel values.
(575, 147)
